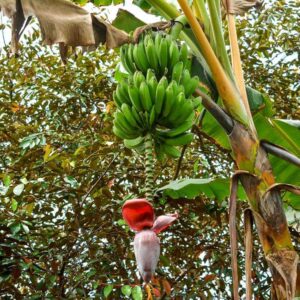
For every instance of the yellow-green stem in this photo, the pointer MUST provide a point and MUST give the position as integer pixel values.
(227, 90)
(201, 10)
(220, 43)
(237, 66)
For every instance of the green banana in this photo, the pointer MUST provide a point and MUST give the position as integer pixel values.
(134, 96)
(123, 58)
(121, 94)
(152, 116)
(144, 119)
(177, 71)
(185, 78)
(138, 78)
(160, 94)
(145, 96)
(137, 117)
(120, 133)
(133, 143)
(176, 110)
(170, 150)
(184, 55)
(187, 109)
(128, 115)
(157, 40)
(122, 123)
(169, 99)
(186, 125)
(140, 58)
(163, 55)
(176, 88)
(130, 60)
(143, 57)
(151, 54)
(147, 119)
(191, 86)
(126, 59)
(117, 100)
(196, 102)
(174, 55)
(152, 85)
(179, 140)
(123, 90)
(150, 74)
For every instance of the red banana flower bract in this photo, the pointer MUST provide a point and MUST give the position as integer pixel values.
(139, 215)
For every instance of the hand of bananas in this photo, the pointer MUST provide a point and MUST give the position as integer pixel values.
(157, 96)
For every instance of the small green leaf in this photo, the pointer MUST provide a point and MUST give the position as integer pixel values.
(137, 293)
(121, 222)
(107, 290)
(14, 205)
(6, 180)
(25, 228)
(102, 2)
(72, 181)
(15, 228)
(126, 290)
(18, 189)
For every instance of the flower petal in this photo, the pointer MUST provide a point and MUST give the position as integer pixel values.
(146, 250)
(162, 222)
(138, 214)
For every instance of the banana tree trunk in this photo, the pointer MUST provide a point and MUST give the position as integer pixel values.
(269, 216)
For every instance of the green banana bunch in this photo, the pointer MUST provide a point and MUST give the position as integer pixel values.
(157, 96)
(156, 51)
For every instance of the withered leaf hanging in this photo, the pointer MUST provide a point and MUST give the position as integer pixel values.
(239, 7)
(62, 22)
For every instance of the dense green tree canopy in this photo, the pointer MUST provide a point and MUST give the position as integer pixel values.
(64, 177)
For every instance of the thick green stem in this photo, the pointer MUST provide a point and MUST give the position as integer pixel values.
(149, 167)
(208, 29)
(165, 9)
(178, 26)
(220, 43)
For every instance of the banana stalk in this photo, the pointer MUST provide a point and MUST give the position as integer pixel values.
(149, 167)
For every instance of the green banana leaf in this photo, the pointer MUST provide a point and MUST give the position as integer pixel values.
(279, 132)
(212, 188)
(190, 188)
(126, 21)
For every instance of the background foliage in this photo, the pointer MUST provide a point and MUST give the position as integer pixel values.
(64, 177)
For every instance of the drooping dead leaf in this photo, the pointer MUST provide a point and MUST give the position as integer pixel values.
(62, 22)
(239, 7)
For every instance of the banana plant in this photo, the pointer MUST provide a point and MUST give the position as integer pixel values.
(254, 169)
(207, 43)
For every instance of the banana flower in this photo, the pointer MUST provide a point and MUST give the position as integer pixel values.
(139, 215)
